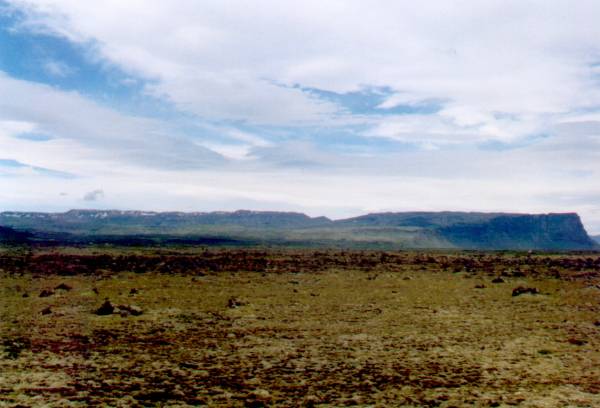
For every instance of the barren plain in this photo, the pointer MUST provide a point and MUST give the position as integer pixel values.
(235, 327)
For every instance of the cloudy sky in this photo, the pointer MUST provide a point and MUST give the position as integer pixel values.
(332, 107)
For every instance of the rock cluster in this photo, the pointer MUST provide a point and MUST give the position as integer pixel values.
(107, 308)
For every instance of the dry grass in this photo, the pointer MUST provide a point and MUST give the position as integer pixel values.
(410, 336)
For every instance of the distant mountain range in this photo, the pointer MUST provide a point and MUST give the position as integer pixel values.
(460, 230)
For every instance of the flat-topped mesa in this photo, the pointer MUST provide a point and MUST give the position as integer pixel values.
(476, 230)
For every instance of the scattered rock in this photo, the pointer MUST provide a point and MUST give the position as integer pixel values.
(46, 293)
(14, 347)
(130, 310)
(311, 401)
(261, 395)
(63, 286)
(498, 280)
(597, 323)
(480, 286)
(107, 308)
(25, 295)
(520, 290)
(133, 291)
(576, 341)
(233, 302)
(95, 290)
(46, 310)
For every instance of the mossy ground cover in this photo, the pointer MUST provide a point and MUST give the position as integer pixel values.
(407, 330)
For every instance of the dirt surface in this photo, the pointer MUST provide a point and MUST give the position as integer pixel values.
(298, 328)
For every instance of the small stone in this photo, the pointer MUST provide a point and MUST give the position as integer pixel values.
(520, 290)
(126, 310)
(46, 293)
(135, 310)
(498, 280)
(480, 286)
(63, 286)
(233, 302)
(107, 308)
(311, 401)
(46, 311)
(577, 342)
(261, 394)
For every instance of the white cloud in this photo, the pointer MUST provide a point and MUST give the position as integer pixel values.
(86, 133)
(223, 60)
(94, 195)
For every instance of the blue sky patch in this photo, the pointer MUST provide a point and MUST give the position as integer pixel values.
(69, 66)
(14, 164)
(11, 163)
(34, 137)
(367, 102)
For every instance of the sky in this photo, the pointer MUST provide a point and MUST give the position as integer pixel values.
(333, 108)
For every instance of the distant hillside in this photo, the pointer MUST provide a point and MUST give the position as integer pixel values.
(139, 222)
(596, 238)
(461, 230)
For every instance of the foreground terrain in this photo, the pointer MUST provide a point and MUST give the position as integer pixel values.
(233, 327)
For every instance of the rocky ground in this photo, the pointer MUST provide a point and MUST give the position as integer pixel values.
(147, 327)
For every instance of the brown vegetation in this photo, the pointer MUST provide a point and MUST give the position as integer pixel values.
(298, 328)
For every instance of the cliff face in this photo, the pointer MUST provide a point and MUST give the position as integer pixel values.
(512, 231)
